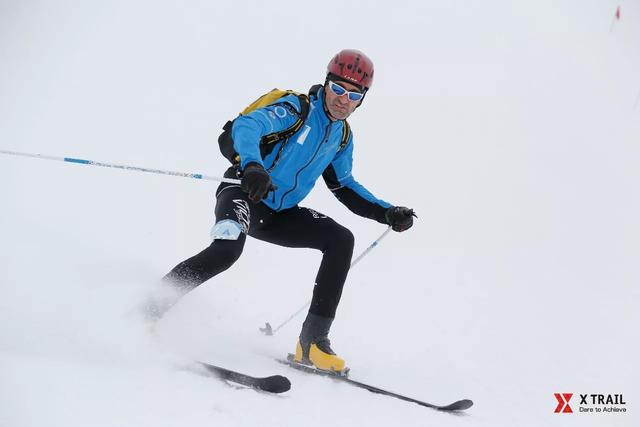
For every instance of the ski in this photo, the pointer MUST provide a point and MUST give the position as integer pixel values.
(272, 384)
(459, 405)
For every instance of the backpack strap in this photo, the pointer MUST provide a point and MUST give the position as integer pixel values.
(313, 91)
(302, 117)
(346, 134)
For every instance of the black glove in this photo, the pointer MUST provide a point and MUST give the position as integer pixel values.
(255, 181)
(400, 218)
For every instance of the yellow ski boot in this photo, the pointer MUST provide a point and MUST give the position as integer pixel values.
(314, 347)
(320, 356)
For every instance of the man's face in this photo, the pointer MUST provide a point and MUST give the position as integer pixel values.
(340, 107)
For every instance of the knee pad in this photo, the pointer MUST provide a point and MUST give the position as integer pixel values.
(226, 229)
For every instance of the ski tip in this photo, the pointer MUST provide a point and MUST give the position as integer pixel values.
(460, 405)
(275, 384)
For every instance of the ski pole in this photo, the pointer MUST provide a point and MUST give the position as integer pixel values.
(267, 330)
(125, 167)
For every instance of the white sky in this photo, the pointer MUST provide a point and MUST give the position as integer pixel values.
(509, 127)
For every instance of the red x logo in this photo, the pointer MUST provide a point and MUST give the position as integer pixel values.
(563, 402)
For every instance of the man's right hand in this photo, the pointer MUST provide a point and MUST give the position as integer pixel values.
(255, 181)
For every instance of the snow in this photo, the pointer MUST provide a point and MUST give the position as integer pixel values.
(511, 128)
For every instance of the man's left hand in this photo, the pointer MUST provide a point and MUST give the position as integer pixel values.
(400, 218)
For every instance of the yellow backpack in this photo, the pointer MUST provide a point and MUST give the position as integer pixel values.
(268, 141)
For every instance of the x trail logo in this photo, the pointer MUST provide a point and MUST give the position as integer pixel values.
(563, 402)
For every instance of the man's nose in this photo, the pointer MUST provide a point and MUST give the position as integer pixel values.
(343, 100)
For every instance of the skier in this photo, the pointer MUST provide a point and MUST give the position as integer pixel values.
(265, 205)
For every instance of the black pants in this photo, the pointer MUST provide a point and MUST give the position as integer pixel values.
(296, 227)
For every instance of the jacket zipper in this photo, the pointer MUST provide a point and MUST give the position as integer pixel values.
(278, 154)
(325, 138)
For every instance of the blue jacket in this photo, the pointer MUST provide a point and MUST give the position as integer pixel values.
(296, 164)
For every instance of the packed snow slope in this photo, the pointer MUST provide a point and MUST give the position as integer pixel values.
(512, 128)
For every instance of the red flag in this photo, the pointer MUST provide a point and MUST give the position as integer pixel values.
(618, 13)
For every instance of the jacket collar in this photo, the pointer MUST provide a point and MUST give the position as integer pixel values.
(319, 104)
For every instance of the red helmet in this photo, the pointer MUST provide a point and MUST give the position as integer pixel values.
(352, 66)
